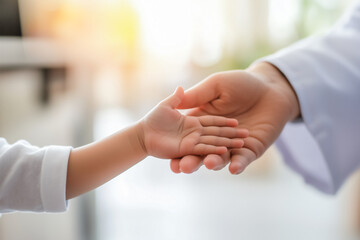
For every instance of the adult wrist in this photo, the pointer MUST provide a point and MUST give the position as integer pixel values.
(272, 76)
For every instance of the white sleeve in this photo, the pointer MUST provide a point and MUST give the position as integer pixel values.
(325, 74)
(32, 178)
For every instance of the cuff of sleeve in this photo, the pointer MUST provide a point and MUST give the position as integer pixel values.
(300, 79)
(53, 178)
(317, 171)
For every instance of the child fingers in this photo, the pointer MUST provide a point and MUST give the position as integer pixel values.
(217, 121)
(243, 132)
(222, 141)
(229, 132)
(204, 149)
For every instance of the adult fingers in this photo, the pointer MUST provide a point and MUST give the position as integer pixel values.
(200, 94)
(216, 162)
(175, 165)
(175, 99)
(190, 163)
(240, 159)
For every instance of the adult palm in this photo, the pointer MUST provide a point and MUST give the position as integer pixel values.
(260, 98)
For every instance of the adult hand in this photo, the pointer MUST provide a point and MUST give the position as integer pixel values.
(260, 98)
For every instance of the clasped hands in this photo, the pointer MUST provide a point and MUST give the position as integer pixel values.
(233, 118)
(258, 101)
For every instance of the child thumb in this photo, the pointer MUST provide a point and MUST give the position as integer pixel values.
(175, 99)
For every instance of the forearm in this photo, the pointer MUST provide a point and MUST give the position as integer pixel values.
(92, 165)
(277, 80)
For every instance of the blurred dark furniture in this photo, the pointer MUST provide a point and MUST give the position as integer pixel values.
(10, 18)
(18, 52)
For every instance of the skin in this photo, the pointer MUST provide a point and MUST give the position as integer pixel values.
(162, 133)
(260, 98)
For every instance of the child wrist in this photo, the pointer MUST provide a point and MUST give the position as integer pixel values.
(140, 137)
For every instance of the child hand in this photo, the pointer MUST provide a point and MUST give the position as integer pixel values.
(167, 133)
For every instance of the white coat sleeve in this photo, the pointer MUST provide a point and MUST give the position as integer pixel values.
(32, 178)
(325, 74)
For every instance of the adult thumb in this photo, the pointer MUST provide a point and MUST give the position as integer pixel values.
(200, 94)
(175, 99)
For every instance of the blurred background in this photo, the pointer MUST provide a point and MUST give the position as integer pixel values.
(74, 71)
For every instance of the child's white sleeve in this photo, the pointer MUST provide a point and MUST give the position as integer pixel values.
(32, 178)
